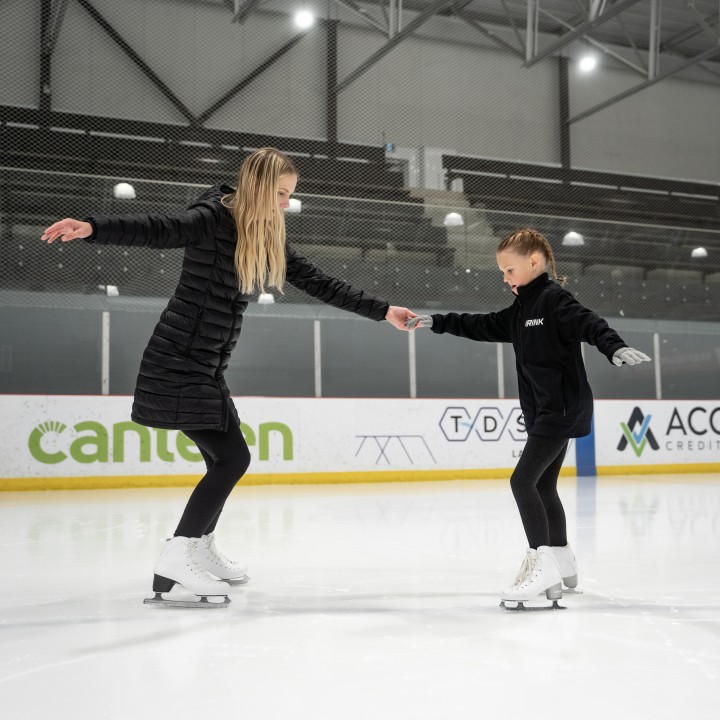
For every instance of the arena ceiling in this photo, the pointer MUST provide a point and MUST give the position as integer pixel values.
(681, 28)
(653, 39)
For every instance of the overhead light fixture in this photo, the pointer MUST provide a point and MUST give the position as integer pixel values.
(295, 206)
(124, 191)
(304, 19)
(699, 252)
(587, 63)
(573, 239)
(453, 219)
(266, 299)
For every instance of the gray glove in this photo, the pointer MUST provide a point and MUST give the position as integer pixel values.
(419, 321)
(629, 355)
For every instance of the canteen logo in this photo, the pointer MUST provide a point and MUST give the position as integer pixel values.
(52, 442)
(640, 438)
(44, 441)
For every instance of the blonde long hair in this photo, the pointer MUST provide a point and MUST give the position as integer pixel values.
(526, 241)
(260, 224)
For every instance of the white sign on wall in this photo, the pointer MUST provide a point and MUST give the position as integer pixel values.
(86, 436)
(657, 433)
(314, 440)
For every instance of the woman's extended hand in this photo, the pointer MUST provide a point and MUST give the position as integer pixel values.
(67, 229)
(398, 316)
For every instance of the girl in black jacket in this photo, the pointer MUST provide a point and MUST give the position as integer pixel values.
(545, 324)
(234, 242)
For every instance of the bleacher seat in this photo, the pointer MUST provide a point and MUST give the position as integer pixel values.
(676, 276)
(615, 272)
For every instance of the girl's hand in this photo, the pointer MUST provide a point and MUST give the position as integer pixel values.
(419, 321)
(629, 355)
(67, 229)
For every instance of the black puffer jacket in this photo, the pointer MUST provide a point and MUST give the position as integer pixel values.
(181, 382)
(545, 324)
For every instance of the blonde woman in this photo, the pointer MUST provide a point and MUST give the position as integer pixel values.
(235, 244)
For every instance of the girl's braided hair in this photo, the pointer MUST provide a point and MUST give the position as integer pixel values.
(526, 241)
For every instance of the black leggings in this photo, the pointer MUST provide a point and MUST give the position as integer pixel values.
(534, 486)
(227, 458)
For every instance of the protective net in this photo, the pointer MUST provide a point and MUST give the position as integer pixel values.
(137, 107)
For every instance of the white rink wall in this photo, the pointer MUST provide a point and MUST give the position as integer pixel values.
(62, 441)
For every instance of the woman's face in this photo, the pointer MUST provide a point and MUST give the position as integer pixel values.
(519, 270)
(285, 189)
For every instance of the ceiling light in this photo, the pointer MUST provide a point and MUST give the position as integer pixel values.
(587, 63)
(124, 191)
(304, 19)
(573, 239)
(295, 206)
(453, 219)
(699, 252)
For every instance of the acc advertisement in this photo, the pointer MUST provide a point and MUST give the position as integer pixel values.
(90, 436)
(656, 433)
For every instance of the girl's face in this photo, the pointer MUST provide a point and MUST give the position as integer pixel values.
(286, 188)
(519, 270)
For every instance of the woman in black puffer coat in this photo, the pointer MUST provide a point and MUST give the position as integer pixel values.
(234, 242)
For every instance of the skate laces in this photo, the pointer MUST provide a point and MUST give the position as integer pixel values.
(193, 564)
(212, 549)
(526, 569)
(216, 555)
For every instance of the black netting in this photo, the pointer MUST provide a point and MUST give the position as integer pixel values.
(76, 120)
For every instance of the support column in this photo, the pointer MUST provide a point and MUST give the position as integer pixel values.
(45, 99)
(332, 94)
(564, 109)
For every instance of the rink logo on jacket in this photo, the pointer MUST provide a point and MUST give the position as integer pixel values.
(91, 442)
(534, 323)
(637, 440)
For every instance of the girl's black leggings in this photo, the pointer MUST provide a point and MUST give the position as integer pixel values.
(534, 486)
(227, 458)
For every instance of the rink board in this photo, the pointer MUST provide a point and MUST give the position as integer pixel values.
(50, 442)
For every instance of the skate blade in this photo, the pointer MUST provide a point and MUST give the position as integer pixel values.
(565, 591)
(203, 603)
(238, 581)
(521, 607)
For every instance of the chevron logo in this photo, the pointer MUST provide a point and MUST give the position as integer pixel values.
(639, 439)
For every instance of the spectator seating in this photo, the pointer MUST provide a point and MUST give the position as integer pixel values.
(552, 190)
(89, 145)
(364, 226)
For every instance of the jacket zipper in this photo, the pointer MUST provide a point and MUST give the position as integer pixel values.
(194, 333)
(227, 342)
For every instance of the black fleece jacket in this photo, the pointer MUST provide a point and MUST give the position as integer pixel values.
(545, 324)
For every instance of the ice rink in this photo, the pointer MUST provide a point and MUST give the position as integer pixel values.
(365, 601)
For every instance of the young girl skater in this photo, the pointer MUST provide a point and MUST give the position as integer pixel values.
(545, 324)
(234, 240)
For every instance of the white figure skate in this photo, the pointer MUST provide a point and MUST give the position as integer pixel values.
(539, 573)
(213, 561)
(177, 565)
(567, 565)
